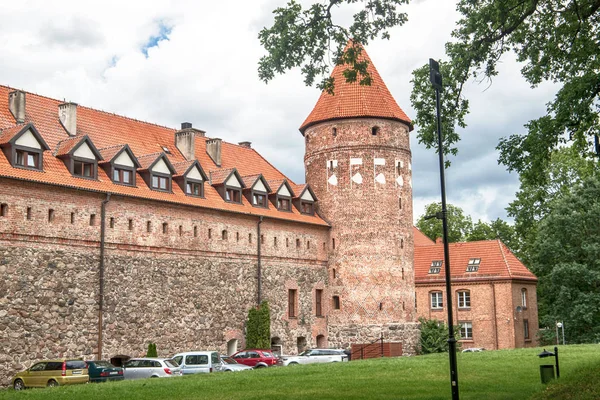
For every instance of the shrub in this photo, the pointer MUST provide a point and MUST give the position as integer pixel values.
(434, 336)
(258, 327)
(151, 350)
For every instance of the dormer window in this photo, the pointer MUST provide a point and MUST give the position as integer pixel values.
(157, 171)
(80, 156)
(306, 201)
(233, 195)
(190, 178)
(23, 146)
(120, 164)
(436, 267)
(473, 265)
(258, 191)
(284, 203)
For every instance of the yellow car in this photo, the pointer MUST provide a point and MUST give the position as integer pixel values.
(52, 373)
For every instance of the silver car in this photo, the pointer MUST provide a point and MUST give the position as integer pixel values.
(229, 364)
(315, 356)
(198, 362)
(139, 368)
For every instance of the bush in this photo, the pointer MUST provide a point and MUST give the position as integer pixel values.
(258, 327)
(434, 336)
(151, 350)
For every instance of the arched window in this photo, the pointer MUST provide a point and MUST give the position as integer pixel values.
(524, 298)
(334, 132)
(463, 298)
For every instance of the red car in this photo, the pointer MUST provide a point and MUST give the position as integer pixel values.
(255, 358)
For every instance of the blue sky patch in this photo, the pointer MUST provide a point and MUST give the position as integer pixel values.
(163, 34)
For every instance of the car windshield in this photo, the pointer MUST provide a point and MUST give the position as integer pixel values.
(102, 364)
(268, 354)
(228, 360)
(305, 353)
(171, 363)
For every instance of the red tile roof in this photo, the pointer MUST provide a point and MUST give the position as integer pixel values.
(420, 238)
(65, 146)
(7, 134)
(108, 153)
(355, 100)
(182, 167)
(218, 177)
(497, 261)
(107, 130)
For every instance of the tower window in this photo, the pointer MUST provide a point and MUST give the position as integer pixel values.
(130, 224)
(29, 213)
(92, 219)
(112, 222)
(318, 305)
(334, 132)
(209, 233)
(336, 302)
(195, 231)
(297, 243)
(165, 227)
(148, 226)
(249, 238)
(374, 130)
(3, 210)
(237, 236)
(50, 215)
(275, 241)
(72, 217)
(180, 230)
(292, 303)
(224, 235)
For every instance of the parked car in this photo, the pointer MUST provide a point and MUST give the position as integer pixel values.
(103, 371)
(473, 350)
(255, 358)
(315, 356)
(139, 368)
(52, 373)
(228, 363)
(196, 362)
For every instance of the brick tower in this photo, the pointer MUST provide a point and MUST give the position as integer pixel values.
(358, 162)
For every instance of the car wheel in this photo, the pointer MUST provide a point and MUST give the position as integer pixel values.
(259, 366)
(293, 363)
(18, 385)
(52, 383)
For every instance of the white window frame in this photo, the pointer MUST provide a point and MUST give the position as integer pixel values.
(466, 330)
(463, 298)
(436, 300)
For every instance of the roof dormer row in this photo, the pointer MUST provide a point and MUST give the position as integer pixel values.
(24, 147)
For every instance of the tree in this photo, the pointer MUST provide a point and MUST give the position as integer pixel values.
(557, 40)
(151, 350)
(566, 259)
(497, 229)
(311, 38)
(459, 225)
(258, 327)
(434, 336)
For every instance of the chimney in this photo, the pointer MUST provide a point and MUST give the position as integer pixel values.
(246, 144)
(67, 113)
(16, 104)
(213, 148)
(185, 140)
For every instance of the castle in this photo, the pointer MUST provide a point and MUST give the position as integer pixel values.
(115, 233)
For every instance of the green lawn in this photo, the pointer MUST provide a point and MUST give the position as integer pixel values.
(506, 374)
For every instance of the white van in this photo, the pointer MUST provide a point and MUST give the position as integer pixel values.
(196, 362)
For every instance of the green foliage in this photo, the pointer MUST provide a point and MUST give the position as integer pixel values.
(310, 38)
(459, 224)
(556, 41)
(566, 259)
(151, 350)
(434, 336)
(258, 327)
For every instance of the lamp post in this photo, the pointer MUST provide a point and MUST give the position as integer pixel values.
(436, 80)
(560, 325)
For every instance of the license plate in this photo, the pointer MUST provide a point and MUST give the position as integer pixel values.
(76, 372)
(114, 373)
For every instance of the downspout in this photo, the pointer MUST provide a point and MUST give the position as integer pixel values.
(101, 273)
(495, 316)
(258, 267)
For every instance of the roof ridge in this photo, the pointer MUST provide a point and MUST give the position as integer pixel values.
(113, 146)
(504, 258)
(274, 167)
(92, 109)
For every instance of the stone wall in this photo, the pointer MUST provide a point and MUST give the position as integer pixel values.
(182, 288)
(407, 333)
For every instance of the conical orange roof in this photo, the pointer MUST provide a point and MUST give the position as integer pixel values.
(355, 100)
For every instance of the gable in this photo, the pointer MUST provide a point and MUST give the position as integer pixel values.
(233, 182)
(307, 196)
(284, 191)
(84, 151)
(28, 139)
(161, 167)
(260, 186)
(124, 159)
(194, 174)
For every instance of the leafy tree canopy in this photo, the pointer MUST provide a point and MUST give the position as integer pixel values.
(556, 40)
(313, 39)
(434, 336)
(566, 259)
(459, 224)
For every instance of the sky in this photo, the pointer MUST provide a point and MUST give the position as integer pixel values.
(169, 62)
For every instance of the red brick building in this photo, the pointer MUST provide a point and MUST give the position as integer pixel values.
(115, 233)
(494, 294)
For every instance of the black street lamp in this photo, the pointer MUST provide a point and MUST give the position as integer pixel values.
(436, 80)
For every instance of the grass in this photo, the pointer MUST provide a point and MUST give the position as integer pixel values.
(505, 374)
